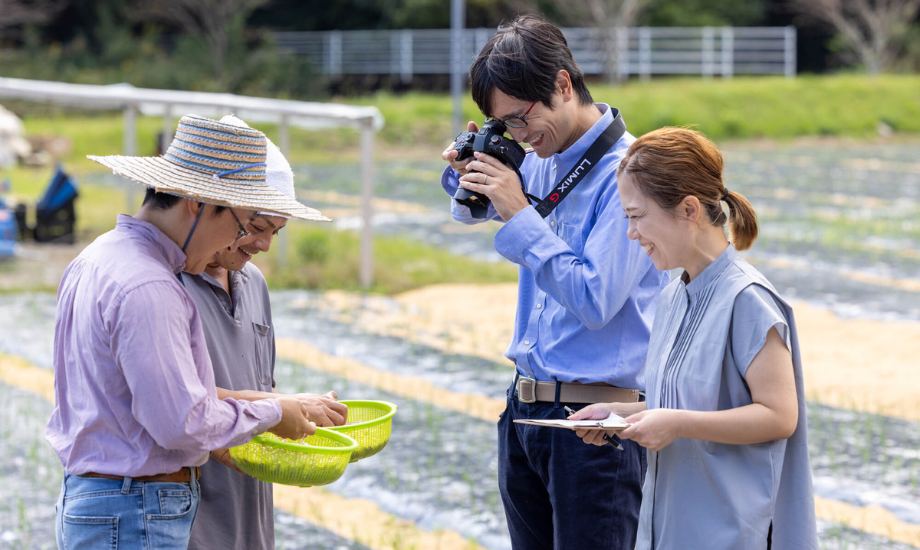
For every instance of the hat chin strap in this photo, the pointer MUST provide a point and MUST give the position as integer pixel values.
(198, 217)
(189, 238)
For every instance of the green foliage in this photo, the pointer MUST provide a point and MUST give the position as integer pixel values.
(253, 64)
(910, 61)
(700, 13)
(421, 14)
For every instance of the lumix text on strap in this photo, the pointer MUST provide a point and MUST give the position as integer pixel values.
(598, 149)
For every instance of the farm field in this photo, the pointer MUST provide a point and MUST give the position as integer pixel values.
(840, 239)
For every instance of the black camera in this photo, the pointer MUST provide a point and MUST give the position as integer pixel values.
(490, 139)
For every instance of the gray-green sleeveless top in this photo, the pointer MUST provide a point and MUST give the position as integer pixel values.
(700, 494)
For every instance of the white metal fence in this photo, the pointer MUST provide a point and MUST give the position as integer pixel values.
(641, 51)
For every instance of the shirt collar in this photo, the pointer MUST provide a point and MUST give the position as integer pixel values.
(712, 271)
(170, 251)
(238, 280)
(573, 153)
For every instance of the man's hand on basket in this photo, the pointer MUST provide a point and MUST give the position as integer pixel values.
(295, 421)
(324, 410)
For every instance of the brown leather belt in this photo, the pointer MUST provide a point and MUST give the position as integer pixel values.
(531, 391)
(182, 476)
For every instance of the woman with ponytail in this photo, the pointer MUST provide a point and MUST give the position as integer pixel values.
(724, 421)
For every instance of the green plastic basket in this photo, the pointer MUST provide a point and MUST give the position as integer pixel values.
(318, 459)
(370, 424)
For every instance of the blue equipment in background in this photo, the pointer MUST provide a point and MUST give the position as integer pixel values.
(54, 213)
(8, 231)
(54, 216)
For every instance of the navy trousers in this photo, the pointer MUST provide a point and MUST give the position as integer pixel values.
(561, 494)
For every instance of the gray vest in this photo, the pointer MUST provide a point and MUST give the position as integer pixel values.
(236, 511)
(700, 494)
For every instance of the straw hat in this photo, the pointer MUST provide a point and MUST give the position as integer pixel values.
(213, 162)
(278, 172)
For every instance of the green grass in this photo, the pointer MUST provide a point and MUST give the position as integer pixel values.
(744, 107)
(320, 257)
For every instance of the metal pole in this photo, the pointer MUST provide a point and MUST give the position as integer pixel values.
(707, 53)
(728, 52)
(130, 148)
(167, 127)
(457, 24)
(645, 52)
(621, 37)
(367, 207)
(285, 146)
(789, 51)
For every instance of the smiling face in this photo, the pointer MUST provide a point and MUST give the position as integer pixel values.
(548, 131)
(263, 229)
(213, 232)
(664, 236)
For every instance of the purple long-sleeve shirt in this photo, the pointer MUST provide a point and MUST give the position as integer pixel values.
(134, 388)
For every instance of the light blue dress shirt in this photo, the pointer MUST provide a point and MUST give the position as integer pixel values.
(586, 293)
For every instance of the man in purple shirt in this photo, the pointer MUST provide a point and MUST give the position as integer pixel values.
(136, 407)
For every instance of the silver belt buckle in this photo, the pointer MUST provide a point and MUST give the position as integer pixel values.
(526, 389)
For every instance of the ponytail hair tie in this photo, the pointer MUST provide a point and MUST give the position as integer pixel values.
(725, 194)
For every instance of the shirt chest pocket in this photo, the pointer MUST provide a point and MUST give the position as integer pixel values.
(264, 360)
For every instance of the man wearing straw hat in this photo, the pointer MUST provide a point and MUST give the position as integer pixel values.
(237, 511)
(136, 408)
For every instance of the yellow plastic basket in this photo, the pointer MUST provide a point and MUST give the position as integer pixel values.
(318, 459)
(370, 424)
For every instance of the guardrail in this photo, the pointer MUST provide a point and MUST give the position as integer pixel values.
(640, 51)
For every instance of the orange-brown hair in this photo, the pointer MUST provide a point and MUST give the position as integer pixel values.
(671, 164)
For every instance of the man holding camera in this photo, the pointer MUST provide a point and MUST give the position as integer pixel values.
(586, 294)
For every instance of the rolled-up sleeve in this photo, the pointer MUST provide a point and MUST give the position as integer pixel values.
(154, 348)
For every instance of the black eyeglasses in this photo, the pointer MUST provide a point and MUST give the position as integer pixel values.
(243, 233)
(517, 121)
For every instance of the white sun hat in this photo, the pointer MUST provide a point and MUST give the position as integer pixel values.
(278, 172)
(214, 162)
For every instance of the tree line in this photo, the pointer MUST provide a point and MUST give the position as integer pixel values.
(220, 44)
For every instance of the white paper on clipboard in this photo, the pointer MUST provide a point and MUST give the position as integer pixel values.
(612, 422)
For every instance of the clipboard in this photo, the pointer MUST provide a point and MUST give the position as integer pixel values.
(612, 422)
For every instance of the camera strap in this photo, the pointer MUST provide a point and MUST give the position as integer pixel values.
(598, 149)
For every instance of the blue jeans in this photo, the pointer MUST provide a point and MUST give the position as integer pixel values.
(558, 492)
(102, 514)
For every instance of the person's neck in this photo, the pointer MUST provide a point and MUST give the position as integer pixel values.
(585, 116)
(221, 275)
(166, 221)
(709, 245)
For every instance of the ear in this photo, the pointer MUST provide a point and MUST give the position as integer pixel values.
(691, 208)
(564, 85)
(193, 207)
